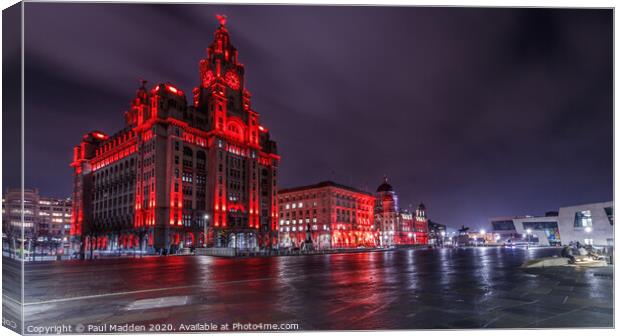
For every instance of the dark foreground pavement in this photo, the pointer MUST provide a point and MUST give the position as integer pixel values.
(400, 289)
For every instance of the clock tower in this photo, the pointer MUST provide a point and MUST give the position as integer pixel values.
(244, 184)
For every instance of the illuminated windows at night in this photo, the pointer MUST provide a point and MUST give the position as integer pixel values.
(342, 203)
(583, 219)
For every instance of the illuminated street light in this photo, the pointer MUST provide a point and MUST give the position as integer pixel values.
(483, 232)
(529, 232)
(588, 229)
(204, 238)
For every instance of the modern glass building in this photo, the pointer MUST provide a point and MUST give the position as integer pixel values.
(590, 224)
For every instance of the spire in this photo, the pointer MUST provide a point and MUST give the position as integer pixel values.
(141, 93)
(135, 114)
(222, 39)
(221, 48)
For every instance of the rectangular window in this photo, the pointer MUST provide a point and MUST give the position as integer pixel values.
(583, 219)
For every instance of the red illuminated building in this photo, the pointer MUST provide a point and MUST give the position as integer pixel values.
(397, 226)
(336, 216)
(180, 171)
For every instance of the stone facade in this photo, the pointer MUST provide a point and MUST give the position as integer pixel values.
(181, 174)
(337, 216)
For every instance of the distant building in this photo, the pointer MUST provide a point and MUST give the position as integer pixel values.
(46, 221)
(475, 238)
(543, 231)
(505, 231)
(436, 233)
(336, 215)
(12, 222)
(590, 224)
(396, 226)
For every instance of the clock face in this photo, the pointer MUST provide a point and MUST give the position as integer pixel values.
(232, 80)
(207, 78)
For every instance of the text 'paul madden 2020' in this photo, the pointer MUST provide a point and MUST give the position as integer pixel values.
(187, 327)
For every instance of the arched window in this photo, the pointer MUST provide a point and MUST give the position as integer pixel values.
(233, 128)
(200, 155)
(187, 151)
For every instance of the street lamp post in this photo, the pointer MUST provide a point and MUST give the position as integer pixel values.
(206, 224)
(529, 232)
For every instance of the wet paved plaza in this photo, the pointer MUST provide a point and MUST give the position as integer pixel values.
(399, 289)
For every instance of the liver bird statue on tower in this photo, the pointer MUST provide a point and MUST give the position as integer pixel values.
(222, 19)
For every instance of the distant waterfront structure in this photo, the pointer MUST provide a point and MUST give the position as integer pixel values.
(337, 216)
(181, 174)
(46, 221)
(590, 224)
(397, 226)
(437, 233)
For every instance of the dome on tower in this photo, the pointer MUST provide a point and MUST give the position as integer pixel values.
(385, 186)
(422, 206)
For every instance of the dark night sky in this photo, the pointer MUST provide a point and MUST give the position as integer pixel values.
(476, 112)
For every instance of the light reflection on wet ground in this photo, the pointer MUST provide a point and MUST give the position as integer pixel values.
(401, 289)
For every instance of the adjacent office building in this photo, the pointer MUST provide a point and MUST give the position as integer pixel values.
(331, 214)
(46, 220)
(398, 226)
